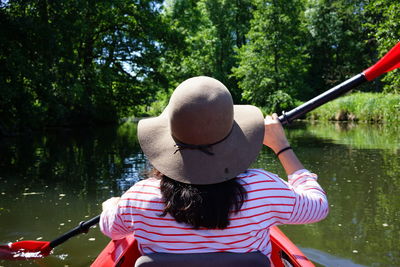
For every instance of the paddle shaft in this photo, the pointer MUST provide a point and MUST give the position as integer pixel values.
(333, 93)
(83, 227)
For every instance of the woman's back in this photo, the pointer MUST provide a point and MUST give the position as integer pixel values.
(270, 201)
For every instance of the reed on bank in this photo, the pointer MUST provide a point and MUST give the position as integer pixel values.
(358, 106)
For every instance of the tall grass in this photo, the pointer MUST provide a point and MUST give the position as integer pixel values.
(365, 107)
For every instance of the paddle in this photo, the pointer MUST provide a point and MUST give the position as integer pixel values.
(38, 249)
(387, 63)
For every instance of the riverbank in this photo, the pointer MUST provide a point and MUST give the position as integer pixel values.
(365, 107)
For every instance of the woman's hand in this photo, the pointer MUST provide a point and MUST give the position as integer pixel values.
(274, 135)
(275, 138)
(110, 203)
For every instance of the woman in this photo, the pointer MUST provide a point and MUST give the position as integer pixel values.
(202, 196)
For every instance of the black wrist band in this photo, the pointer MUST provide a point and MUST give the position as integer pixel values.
(283, 150)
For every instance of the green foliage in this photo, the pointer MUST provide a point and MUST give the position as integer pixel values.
(157, 106)
(74, 62)
(273, 60)
(367, 107)
(336, 42)
(279, 102)
(209, 32)
(384, 25)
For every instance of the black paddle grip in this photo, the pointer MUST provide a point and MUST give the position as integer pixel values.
(83, 227)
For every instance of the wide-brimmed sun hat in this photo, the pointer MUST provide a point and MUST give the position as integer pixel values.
(201, 137)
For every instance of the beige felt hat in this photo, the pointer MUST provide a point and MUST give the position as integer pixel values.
(201, 137)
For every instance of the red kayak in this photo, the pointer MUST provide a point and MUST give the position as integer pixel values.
(125, 252)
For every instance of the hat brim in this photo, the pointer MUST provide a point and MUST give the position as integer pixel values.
(230, 157)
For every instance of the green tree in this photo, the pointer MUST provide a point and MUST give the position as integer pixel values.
(209, 32)
(76, 62)
(272, 64)
(337, 45)
(384, 25)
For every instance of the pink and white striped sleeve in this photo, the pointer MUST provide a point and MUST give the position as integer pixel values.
(311, 203)
(112, 224)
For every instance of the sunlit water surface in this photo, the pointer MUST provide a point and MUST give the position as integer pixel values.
(49, 183)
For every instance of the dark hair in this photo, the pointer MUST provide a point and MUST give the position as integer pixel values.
(207, 206)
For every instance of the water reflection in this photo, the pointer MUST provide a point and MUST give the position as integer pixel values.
(48, 184)
(360, 135)
(324, 259)
(359, 169)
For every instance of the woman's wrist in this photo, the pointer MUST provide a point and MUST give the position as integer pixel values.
(289, 161)
(282, 150)
(279, 146)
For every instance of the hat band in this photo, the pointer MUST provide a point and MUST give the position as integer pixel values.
(203, 148)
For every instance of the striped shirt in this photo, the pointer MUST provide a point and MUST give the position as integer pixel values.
(270, 201)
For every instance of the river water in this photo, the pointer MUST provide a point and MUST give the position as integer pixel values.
(49, 183)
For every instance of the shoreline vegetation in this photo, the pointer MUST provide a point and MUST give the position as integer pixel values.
(357, 107)
(353, 107)
(360, 107)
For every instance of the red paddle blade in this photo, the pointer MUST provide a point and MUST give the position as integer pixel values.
(25, 250)
(389, 62)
